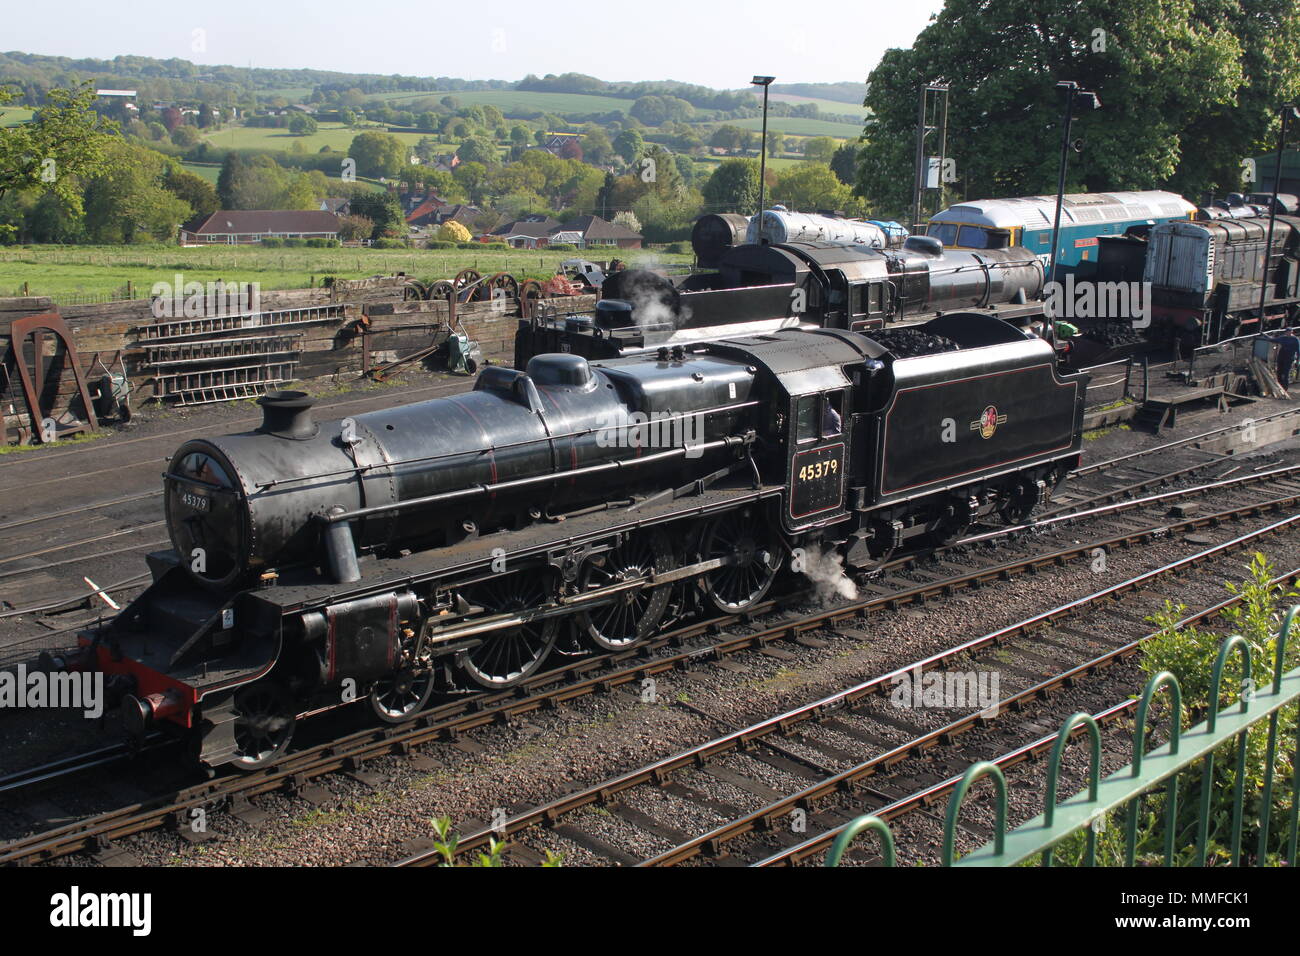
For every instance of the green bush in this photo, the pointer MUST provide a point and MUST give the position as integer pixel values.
(562, 247)
(389, 244)
(323, 243)
(679, 247)
(501, 246)
(468, 245)
(295, 243)
(441, 244)
(272, 242)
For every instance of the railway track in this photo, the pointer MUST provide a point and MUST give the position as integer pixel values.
(846, 723)
(679, 650)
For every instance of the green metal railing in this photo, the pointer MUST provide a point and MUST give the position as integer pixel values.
(1156, 773)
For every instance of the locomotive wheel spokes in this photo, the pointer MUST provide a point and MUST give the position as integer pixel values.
(442, 289)
(748, 546)
(400, 697)
(264, 725)
(512, 654)
(634, 614)
(414, 290)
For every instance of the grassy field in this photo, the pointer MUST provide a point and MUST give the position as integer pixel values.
(506, 100)
(334, 135)
(826, 106)
(15, 115)
(76, 271)
(800, 126)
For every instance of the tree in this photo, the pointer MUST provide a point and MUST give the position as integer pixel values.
(65, 143)
(845, 163)
(355, 228)
(628, 220)
(657, 110)
(185, 136)
(300, 124)
(812, 186)
(231, 169)
(629, 145)
(1159, 66)
(596, 147)
(819, 149)
(197, 192)
(733, 187)
(378, 154)
(727, 137)
(479, 149)
(384, 211)
(453, 232)
(128, 200)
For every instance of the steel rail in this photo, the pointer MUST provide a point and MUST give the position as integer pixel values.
(780, 725)
(449, 720)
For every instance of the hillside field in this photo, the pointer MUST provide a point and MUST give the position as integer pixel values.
(800, 126)
(506, 100)
(334, 135)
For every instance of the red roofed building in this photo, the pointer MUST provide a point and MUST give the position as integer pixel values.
(242, 226)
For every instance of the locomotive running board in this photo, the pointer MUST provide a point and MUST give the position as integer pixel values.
(568, 605)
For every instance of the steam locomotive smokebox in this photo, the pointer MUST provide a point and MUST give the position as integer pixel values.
(288, 415)
(614, 314)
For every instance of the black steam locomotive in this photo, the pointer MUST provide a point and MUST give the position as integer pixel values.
(759, 288)
(458, 542)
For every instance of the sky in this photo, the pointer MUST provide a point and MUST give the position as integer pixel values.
(713, 44)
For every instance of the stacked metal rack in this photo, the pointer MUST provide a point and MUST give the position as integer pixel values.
(196, 361)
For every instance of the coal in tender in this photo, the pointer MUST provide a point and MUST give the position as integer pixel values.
(908, 343)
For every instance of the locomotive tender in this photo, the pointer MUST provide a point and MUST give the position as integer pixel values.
(460, 541)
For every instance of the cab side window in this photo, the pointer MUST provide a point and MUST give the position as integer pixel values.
(806, 418)
(832, 414)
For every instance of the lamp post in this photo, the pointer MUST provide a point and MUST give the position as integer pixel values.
(764, 82)
(1288, 111)
(1072, 90)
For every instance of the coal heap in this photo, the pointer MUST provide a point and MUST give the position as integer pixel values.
(909, 343)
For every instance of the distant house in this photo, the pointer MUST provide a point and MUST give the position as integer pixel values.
(588, 232)
(242, 226)
(340, 207)
(556, 142)
(531, 232)
(585, 232)
(423, 212)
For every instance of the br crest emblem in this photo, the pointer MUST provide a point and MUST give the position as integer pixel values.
(988, 422)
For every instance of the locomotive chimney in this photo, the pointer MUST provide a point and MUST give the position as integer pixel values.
(287, 415)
